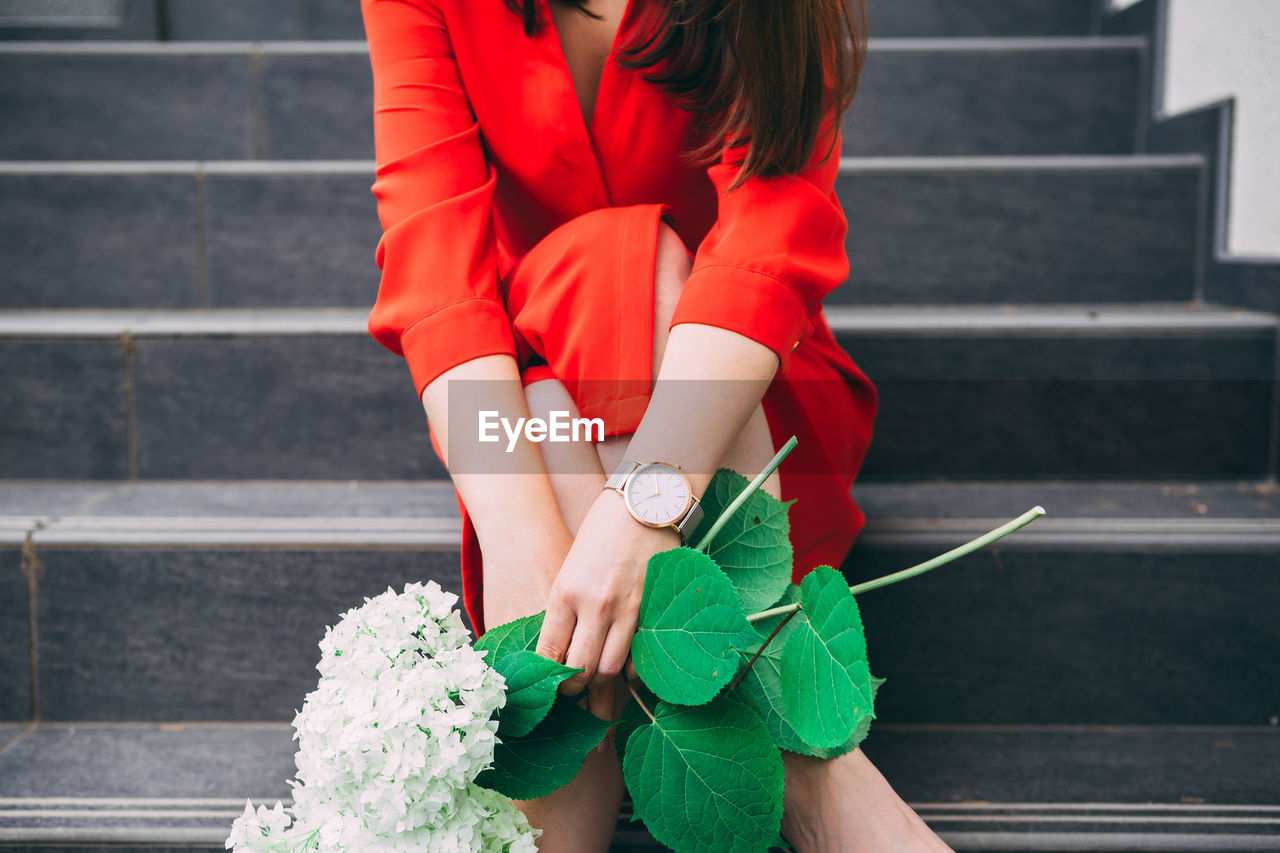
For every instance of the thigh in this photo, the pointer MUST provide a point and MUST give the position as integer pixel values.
(581, 304)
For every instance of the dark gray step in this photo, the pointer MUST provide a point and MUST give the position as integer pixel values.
(177, 234)
(340, 19)
(183, 20)
(210, 100)
(1127, 603)
(187, 234)
(925, 97)
(1111, 391)
(991, 391)
(15, 635)
(251, 19)
(1020, 229)
(277, 394)
(979, 17)
(283, 100)
(982, 788)
(77, 20)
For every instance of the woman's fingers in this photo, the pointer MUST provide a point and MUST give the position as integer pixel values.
(556, 633)
(584, 652)
(612, 659)
(603, 687)
(617, 649)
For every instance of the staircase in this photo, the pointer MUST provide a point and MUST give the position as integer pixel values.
(205, 457)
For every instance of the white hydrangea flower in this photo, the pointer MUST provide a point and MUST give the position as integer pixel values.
(391, 741)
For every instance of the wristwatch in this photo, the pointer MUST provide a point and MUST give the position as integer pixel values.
(657, 495)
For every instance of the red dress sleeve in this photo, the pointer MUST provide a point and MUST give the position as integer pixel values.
(776, 249)
(438, 303)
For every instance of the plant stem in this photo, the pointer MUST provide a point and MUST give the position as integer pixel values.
(919, 569)
(640, 702)
(760, 651)
(705, 542)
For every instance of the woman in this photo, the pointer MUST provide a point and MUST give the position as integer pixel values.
(564, 224)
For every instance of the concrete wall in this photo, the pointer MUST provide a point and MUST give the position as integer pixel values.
(1219, 49)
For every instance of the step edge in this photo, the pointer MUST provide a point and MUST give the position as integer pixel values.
(342, 47)
(10, 804)
(1105, 318)
(879, 320)
(192, 47)
(1020, 163)
(1108, 842)
(434, 533)
(848, 165)
(1001, 839)
(1000, 44)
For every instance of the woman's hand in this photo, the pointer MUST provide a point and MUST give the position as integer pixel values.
(595, 599)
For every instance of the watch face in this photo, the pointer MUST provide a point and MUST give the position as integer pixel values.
(657, 494)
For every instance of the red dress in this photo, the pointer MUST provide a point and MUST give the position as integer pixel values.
(511, 226)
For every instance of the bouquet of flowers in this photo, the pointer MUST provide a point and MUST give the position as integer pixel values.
(415, 740)
(392, 739)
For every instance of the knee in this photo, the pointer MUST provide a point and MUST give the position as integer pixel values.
(673, 264)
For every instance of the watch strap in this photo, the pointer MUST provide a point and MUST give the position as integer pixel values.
(618, 478)
(692, 518)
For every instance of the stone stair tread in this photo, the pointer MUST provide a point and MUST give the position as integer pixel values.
(425, 513)
(1154, 317)
(982, 787)
(1017, 381)
(1067, 41)
(365, 166)
(166, 322)
(1039, 95)
(968, 205)
(332, 19)
(1128, 603)
(1010, 318)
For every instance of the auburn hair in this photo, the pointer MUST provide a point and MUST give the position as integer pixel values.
(764, 74)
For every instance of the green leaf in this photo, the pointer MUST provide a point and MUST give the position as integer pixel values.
(706, 777)
(519, 635)
(549, 756)
(689, 626)
(765, 627)
(754, 547)
(763, 682)
(532, 684)
(826, 684)
(861, 732)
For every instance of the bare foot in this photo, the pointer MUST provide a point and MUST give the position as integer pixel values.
(844, 805)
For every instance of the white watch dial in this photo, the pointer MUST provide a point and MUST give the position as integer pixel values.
(657, 494)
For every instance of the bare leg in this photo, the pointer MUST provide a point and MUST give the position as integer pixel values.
(845, 804)
(579, 817)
